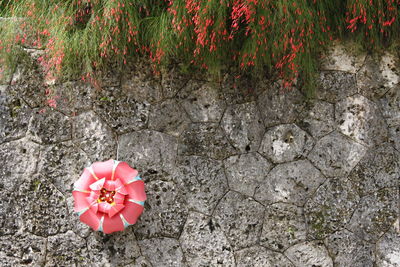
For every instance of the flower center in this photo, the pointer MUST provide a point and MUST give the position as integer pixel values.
(106, 196)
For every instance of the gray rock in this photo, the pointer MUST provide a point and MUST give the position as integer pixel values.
(94, 137)
(318, 119)
(205, 139)
(344, 57)
(49, 127)
(14, 117)
(239, 89)
(74, 97)
(148, 150)
(388, 248)
(203, 102)
(290, 182)
(67, 249)
(246, 171)
(173, 80)
(121, 112)
(390, 107)
(168, 117)
(285, 143)
(19, 164)
(41, 207)
(204, 244)
(360, 119)
(63, 164)
(260, 257)
(335, 155)
(22, 249)
(165, 211)
(202, 182)
(394, 136)
(309, 254)
(278, 106)
(240, 218)
(330, 208)
(348, 250)
(141, 83)
(379, 168)
(140, 262)
(375, 214)
(243, 126)
(117, 249)
(163, 251)
(370, 82)
(336, 85)
(283, 226)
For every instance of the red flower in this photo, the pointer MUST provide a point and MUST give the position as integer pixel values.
(109, 196)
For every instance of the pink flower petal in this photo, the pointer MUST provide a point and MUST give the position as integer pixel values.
(103, 169)
(113, 224)
(120, 187)
(136, 190)
(124, 172)
(98, 185)
(119, 198)
(85, 180)
(95, 207)
(131, 212)
(80, 202)
(115, 209)
(90, 218)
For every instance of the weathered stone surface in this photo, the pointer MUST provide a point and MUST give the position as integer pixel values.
(168, 117)
(336, 85)
(202, 181)
(343, 57)
(260, 257)
(388, 248)
(241, 218)
(246, 171)
(309, 254)
(290, 182)
(173, 80)
(360, 119)
(41, 207)
(94, 137)
(285, 143)
(348, 250)
(74, 97)
(331, 207)
(204, 243)
(121, 112)
(243, 126)
(335, 155)
(390, 107)
(283, 226)
(394, 136)
(318, 119)
(375, 214)
(148, 150)
(49, 127)
(239, 89)
(141, 83)
(112, 250)
(370, 82)
(66, 249)
(14, 117)
(202, 101)
(379, 168)
(205, 139)
(21, 250)
(165, 211)
(389, 68)
(279, 105)
(163, 252)
(19, 160)
(63, 164)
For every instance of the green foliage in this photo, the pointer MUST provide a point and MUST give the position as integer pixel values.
(258, 36)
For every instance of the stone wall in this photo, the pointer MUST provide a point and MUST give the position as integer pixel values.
(237, 172)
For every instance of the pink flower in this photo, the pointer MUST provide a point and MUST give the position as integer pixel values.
(109, 196)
